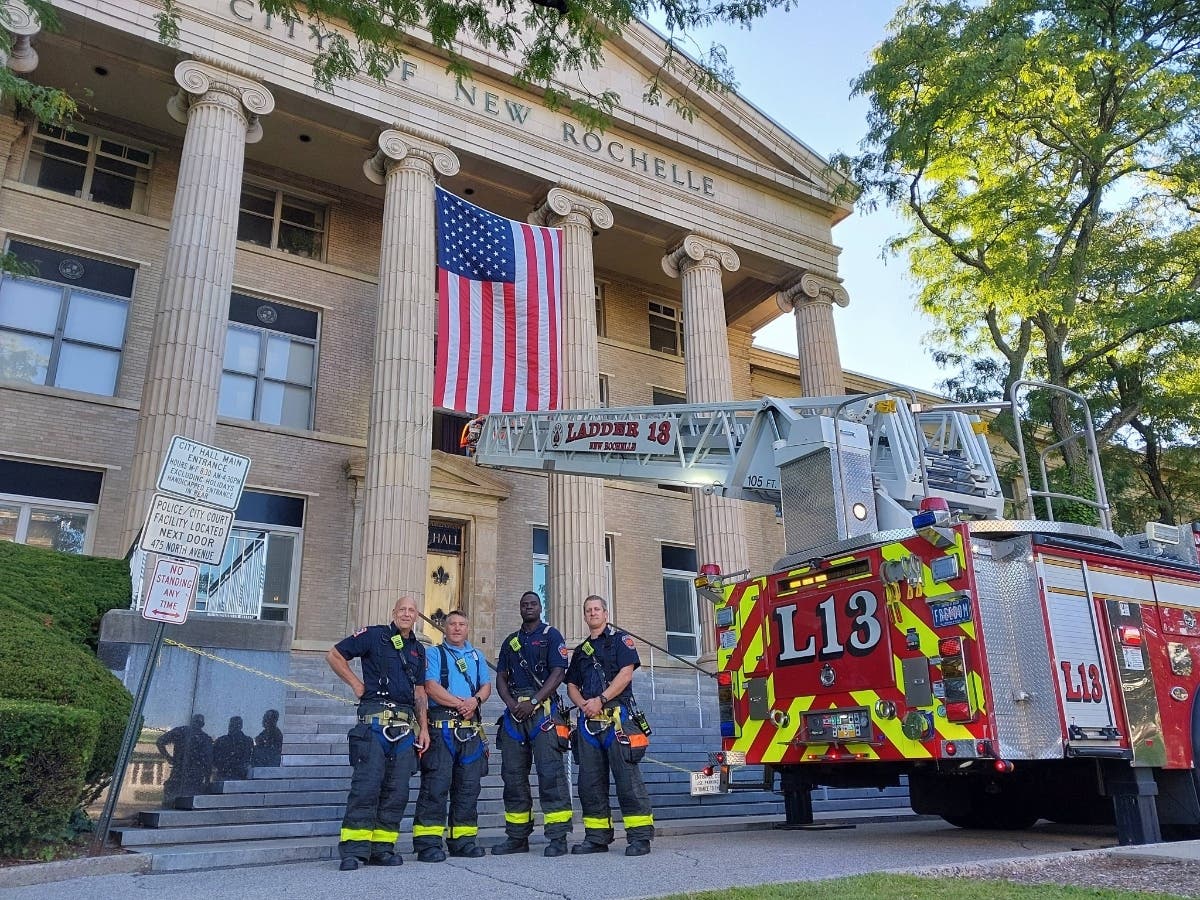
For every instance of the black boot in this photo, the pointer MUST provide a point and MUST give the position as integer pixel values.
(637, 848)
(589, 847)
(511, 845)
(349, 864)
(556, 847)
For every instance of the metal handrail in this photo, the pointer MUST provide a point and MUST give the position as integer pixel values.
(686, 662)
(859, 398)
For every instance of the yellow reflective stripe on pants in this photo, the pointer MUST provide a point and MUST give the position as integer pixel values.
(459, 831)
(638, 821)
(428, 830)
(518, 818)
(597, 822)
(562, 815)
(356, 834)
(382, 836)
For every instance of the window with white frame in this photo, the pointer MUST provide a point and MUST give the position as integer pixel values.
(270, 366)
(63, 324)
(541, 569)
(604, 390)
(601, 326)
(48, 506)
(90, 166)
(679, 600)
(282, 221)
(666, 328)
(258, 577)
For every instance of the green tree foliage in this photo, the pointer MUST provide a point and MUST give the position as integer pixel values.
(553, 45)
(1047, 158)
(44, 752)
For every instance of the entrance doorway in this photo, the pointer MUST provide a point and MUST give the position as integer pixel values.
(444, 572)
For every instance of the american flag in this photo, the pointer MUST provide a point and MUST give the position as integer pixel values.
(499, 293)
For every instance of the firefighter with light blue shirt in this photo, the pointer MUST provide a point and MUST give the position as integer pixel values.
(457, 682)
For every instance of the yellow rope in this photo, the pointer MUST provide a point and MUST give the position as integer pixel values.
(229, 662)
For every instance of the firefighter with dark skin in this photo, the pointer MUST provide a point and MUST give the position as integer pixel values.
(532, 664)
(599, 682)
(391, 730)
(457, 681)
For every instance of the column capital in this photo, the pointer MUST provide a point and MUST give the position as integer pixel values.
(699, 249)
(198, 79)
(571, 203)
(22, 23)
(402, 143)
(812, 287)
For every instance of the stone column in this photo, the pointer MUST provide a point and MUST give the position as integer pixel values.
(811, 297)
(718, 521)
(399, 431)
(221, 109)
(576, 504)
(22, 25)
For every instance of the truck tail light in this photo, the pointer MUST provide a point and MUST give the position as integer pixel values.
(959, 712)
(956, 675)
(1130, 635)
(951, 748)
(724, 679)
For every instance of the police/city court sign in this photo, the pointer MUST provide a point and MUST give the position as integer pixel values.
(203, 473)
(186, 530)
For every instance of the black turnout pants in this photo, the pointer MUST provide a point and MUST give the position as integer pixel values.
(378, 794)
(538, 748)
(453, 775)
(596, 763)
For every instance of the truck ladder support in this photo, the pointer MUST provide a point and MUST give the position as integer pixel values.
(1133, 791)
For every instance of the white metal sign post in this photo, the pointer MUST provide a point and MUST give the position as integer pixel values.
(171, 592)
(188, 523)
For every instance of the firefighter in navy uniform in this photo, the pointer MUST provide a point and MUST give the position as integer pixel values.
(458, 682)
(611, 736)
(533, 661)
(391, 730)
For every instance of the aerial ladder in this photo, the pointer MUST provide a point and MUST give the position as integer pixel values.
(833, 467)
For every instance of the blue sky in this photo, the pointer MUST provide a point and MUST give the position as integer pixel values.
(797, 67)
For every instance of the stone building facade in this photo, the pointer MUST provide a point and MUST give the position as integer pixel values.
(222, 250)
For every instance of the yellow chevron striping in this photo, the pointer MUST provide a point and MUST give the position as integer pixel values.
(891, 728)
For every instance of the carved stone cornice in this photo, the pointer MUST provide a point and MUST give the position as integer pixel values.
(201, 81)
(403, 144)
(573, 205)
(699, 249)
(812, 288)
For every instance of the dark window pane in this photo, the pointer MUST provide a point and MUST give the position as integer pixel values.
(308, 215)
(77, 271)
(140, 156)
(665, 398)
(271, 509)
(682, 646)
(258, 201)
(254, 229)
(663, 337)
(53, 482)
(447, 429)
(60, 176)
(299, 241)
(273, 316)
(541, 541)
(681, 559)
(112, 190)
(277, 582)
(679, 607)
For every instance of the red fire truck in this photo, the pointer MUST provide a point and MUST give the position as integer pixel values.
(1007, 669)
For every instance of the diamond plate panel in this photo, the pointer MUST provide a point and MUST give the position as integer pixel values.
(817, 507)
(1019, 665)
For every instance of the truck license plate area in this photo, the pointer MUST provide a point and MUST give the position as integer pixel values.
(837, 725)
(704, 785)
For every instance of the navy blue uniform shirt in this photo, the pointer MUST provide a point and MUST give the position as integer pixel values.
(542, 649)
(610, 653)
(389, 672)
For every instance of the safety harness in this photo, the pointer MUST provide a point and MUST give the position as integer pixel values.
(392, 726)
(602, 729)
(546, 708)
(456, 730)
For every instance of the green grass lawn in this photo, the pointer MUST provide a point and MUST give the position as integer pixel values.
(910, 887)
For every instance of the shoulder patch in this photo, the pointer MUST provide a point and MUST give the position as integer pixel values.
(359, 633)
(562, 650)
(628, 642)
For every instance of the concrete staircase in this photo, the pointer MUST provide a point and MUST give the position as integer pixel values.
(293, 811)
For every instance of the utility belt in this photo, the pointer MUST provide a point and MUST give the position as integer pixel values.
(601, 730)
(542, 709)
(394, 724)
(449, 722)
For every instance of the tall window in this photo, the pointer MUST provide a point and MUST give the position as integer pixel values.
(541, 570)
(447, 431)
(48, 506)
(89, 166)
(282, 221)
(666, 328)
(259, 573)
(601, 325)
(679, 600)
(604, 390)
(270, 363)
(64, 326)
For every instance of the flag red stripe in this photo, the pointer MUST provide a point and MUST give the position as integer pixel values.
(461, 398)
(443, 338)
(532, 302)
(510, 345)
(553, 274)
(485, 345)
